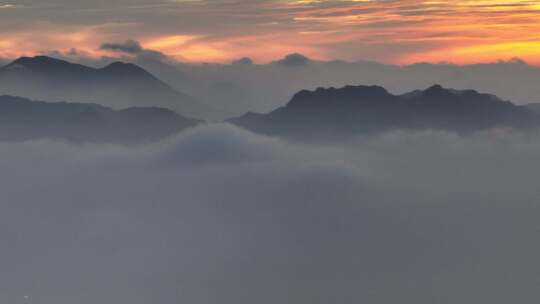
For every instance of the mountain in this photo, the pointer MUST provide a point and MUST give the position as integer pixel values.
(23, 119)
(117, 85)
(236, 86)
(352, 110)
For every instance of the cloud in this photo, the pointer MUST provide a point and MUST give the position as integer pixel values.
(243, 61)
(218, 214)
(134, 48)
(129, 46)
(389, 31)
(294, 60)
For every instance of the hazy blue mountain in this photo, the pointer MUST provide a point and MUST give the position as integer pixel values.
(245, 85)
(24, 119)
(261, 88)
(352, 110)
(117, 85)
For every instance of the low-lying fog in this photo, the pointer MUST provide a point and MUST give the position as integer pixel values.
(220, 215)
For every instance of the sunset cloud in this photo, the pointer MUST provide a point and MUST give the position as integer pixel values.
(396, 31)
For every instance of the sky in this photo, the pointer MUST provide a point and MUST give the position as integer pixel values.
(388, 31)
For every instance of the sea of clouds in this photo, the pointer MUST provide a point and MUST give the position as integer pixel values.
(217, 214)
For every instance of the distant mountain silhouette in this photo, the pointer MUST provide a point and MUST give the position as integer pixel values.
(352, 110)
(22, 119)
(294, 60)
(118, 85)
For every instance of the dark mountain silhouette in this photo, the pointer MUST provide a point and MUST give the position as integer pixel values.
(352, 110)
(23, 119)
(118, 85)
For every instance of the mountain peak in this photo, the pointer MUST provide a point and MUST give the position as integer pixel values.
(354, 110)
(438, 91)
(54, 65)
(117, 85)
(119, 68)
(122, 65)
(347, 94)
(435, 88)
(356, 91)
(39, 60)
(294, 60)
(45, 64)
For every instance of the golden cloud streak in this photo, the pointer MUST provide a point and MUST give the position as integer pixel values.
(402, 31)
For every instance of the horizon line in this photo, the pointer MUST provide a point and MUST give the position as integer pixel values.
(169, 59)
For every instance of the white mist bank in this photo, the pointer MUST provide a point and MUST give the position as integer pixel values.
(220, 215)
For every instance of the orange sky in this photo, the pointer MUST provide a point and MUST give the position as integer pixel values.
(399, 31)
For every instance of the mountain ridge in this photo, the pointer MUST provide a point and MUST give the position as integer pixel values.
(355, 110)
(116, 85)
(23, 119)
